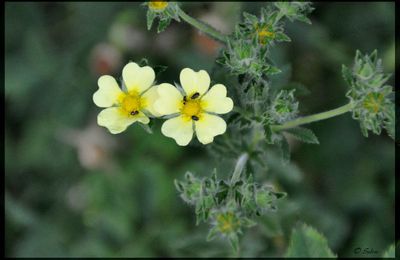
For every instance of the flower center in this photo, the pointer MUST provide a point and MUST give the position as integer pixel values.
(158, 5)
(131, 104)
(373, 102)
(227, 222)
(264, 34)
(191, 108)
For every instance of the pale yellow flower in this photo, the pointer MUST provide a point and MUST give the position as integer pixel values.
(124, 107)
(194, 110)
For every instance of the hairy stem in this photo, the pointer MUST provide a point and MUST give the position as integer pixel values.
(313, 118)
(203, 27)
(241, 162)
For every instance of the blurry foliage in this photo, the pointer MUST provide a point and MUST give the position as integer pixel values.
(54, 206)
(307, 242)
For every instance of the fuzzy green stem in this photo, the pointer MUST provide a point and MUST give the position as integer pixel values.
(313, 118)
(241, 162)
(203, 27)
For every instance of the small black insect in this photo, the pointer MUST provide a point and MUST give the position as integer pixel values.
(195, 118)
(184, 100)
(134, 113)
(195, 95)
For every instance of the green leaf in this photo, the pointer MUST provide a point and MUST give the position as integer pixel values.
(234, 241)
(304, 19)
(212, 234)
(390, 252)
(303, 134)
(389, 123)
(272, 70)
(307, 242)
(150, 18)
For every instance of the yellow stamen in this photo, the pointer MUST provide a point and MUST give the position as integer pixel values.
(130, 103)
(191, 109)
(373, 102)
(226, 222)
(264, 34)
(158, 5)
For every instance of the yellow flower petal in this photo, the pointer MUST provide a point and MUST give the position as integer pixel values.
(117, 121)
(108, 92)
(193, 82)
(149, 98)
(169, 101)
(208, 127)
(179, 129)
(137, 79)
(215, 100)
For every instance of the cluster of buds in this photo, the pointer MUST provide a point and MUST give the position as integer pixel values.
(164, 11)
(228, 222)
(244, 56)
(370, 98)
(249, 45)
(229, 206)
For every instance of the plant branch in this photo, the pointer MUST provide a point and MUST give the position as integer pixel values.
(313, 118)
(203, 27)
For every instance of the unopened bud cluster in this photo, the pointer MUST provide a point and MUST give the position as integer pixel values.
(371, 98)
(228, 206)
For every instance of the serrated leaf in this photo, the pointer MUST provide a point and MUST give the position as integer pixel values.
(303, 134)
(305, 241)
(390, 122)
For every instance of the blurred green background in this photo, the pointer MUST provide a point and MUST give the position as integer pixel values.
(73, 189)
